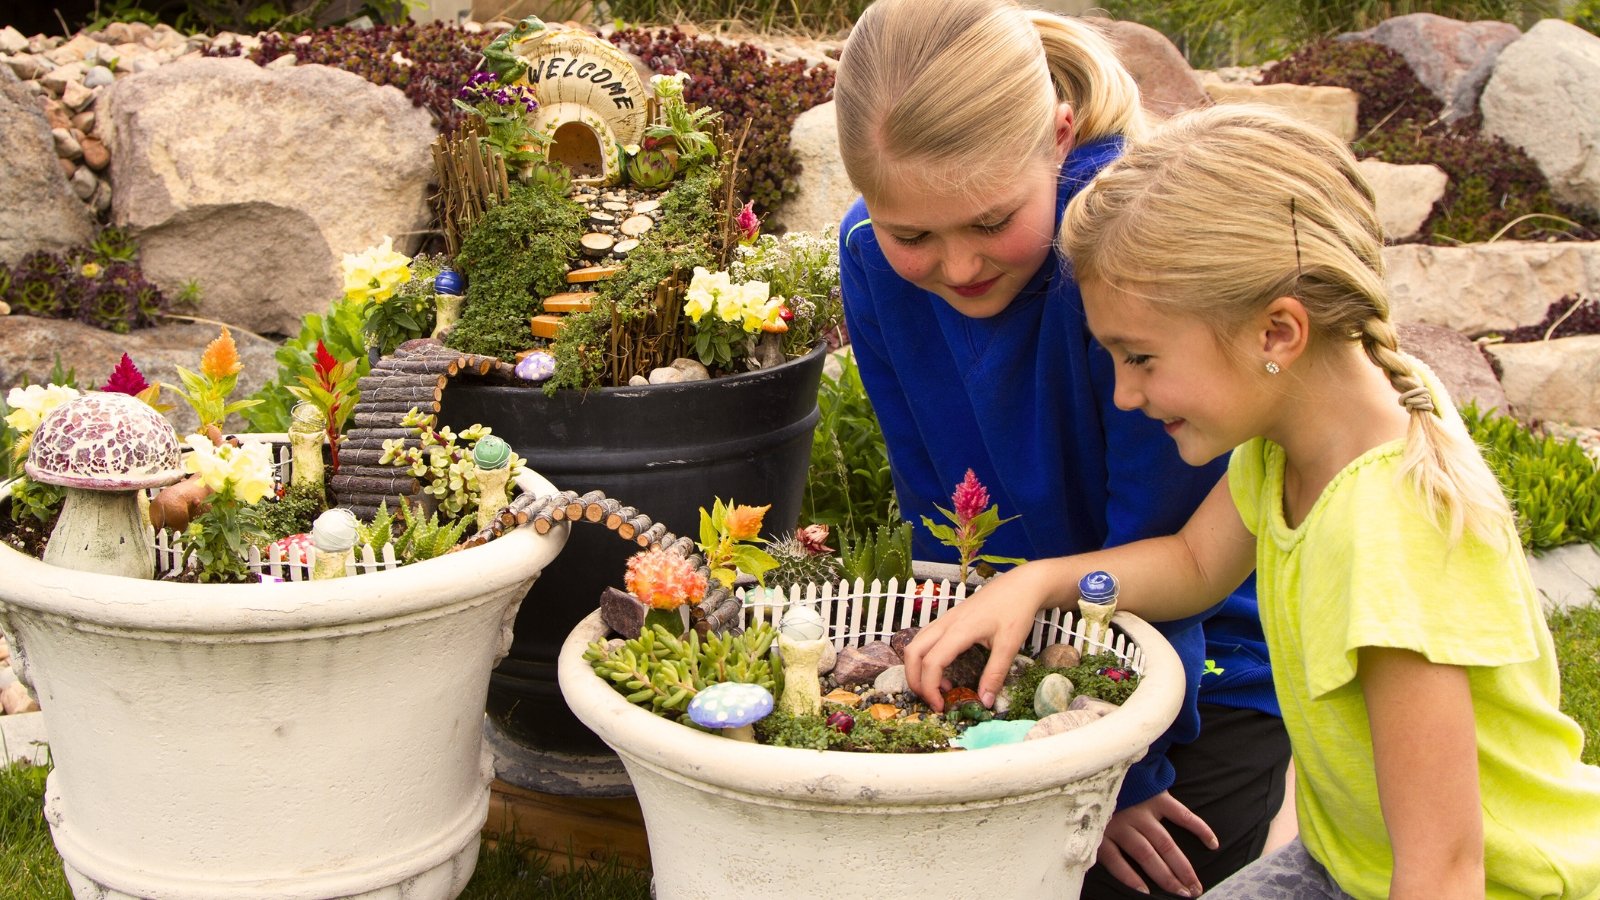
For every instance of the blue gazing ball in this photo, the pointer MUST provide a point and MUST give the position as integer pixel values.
(449, 281)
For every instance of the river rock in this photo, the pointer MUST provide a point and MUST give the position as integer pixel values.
(1557, 379)
(900, 640)
(1458, 362)
(1059, 656)
(1405, 194)
(862, 665)
(12, 41)
(967, 669)
(891, 681)
(622, 612)
(1451, 58)
(1052, 695)
(1541, 98)
(37, 209)
(1092, 704)
(256, 183)
(830, 658)
(1061, 723)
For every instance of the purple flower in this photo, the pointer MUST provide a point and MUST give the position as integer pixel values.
(502, 97)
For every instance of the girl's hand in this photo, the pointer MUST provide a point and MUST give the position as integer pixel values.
(1136, 834)
(998, 617)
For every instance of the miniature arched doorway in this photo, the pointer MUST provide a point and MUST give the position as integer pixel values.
(577, 146)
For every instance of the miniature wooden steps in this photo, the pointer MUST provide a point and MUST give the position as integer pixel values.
(414, 376)
(546, 324)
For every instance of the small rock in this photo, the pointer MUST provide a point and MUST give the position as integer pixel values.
(57, 114)
(1059, 656)
(1052, 696)
(967, 669)
(79, 48)
(830, 657)
(84, 121)
(1092, 704)
(12, 40)
(98, 76)
(68, 167)
(902, 639)
(862, 665)
(28, 67)
(666, 375)
(144, 64)
(891, 680)
(67, 146)
(57, 79)
(95, 155)
(1060, 723)
(286, 61)
(1002, 703)
(102, 197)
(692, 369)
(83, 182)
(16, 699)
(637, 381)
(76, 96)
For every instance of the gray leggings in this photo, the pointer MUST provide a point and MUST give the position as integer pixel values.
(1288, 873)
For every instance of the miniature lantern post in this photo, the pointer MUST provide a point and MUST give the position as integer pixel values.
(103, 448)
(306, 429)
(492, 456)
(334, 537)
(801, 642)
(447, 297)
(1097, 603)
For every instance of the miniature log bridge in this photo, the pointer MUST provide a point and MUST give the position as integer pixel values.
(720, 609)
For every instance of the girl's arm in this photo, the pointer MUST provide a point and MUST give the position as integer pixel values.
(1161, 578)
(1425, 750)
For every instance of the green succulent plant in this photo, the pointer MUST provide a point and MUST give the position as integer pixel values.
(426, 538)
(651, 168)
(880, 555)
(1552, 484)
(663, 673)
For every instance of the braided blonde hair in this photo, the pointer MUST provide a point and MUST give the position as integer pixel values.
(968, 89)
(1223, 210)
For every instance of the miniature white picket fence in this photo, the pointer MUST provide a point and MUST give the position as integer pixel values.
(858, 613)
(172, 556)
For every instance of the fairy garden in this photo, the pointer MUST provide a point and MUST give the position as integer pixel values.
(811, 659)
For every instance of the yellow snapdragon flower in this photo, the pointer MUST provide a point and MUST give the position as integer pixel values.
(247, 468)
(375, 273)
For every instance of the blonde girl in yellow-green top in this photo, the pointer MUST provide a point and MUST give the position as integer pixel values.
(1231, 263)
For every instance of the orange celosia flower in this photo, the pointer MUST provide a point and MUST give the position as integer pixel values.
(221, 358)
(664, 580)
(744, 522)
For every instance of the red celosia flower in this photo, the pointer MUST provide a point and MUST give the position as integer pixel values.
(324, 362)
(971, 498)
(126, 378)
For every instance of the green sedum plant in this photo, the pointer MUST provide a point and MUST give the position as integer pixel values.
(663, 673)
(445, 468)
(1554, 486)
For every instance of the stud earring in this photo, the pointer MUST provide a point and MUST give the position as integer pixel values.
(1273, 368)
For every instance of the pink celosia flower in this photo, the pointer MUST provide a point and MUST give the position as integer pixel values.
(664, 580)
(749, 224)
(126, 378)
(971, 498)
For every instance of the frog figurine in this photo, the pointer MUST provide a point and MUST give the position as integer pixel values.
(501, 56)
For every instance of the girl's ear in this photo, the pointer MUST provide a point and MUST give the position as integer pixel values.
(1284, 329)
(1063, 130)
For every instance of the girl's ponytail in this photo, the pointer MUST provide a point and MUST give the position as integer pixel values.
(1089, 76)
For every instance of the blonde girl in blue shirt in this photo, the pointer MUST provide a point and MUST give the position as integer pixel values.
(1232, 263)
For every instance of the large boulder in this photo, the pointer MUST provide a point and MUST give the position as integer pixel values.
(255, 182)
(1167, 85)
(1333, 109)
(1451, 58)
(824, 190)
(1484, 288)
(1557, 379)
(1542, 98)
(38, 210)
(1405, 195)
(30, 346)
(1459, 364)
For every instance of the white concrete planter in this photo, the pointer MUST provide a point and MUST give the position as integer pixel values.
(299, 740)
(732, 819)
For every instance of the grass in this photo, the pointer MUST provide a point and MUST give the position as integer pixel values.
(31, 870)
(1577, 636)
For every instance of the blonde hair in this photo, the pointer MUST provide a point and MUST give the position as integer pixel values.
(971, 87)
(1223, 210)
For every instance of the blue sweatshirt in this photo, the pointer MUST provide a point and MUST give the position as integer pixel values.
(1023, 398)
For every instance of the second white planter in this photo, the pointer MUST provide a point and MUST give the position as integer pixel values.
(732, 819)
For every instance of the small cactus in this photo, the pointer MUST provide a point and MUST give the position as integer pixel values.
(798, 565)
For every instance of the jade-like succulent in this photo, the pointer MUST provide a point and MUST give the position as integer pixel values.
(663, 673)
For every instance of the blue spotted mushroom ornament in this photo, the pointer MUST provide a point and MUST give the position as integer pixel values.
(732, 707)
